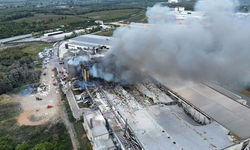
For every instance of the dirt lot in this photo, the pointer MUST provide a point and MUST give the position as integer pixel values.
(35, 112)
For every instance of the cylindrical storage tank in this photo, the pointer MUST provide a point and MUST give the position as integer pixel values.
(65, 61)
(72, 70)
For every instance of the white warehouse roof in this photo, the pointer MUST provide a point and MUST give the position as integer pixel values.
(90, 40)
(226, 111)
(169, 128)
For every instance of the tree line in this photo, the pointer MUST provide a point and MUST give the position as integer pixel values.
(16, 15)
(9, 29)
(16, 69)
(57, 139)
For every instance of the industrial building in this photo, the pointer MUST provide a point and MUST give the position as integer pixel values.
(78, 58)
(89, 42)
(219, 106)
(95, 127)
(59, 35)
(158, 113)
(99, 22)
(53, 33)
(178, 9)
(173, 1)
(170, 120)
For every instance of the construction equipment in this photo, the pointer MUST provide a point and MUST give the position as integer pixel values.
(49, 106)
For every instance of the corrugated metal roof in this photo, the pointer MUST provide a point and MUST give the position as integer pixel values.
(90, 40)
(226, 111)
(158, 128)
(169, 128)
(83, 44)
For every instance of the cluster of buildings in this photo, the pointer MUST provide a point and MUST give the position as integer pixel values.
(158, 113)
(79, 53)
(60, 35)
(173, 1)
(181, 15)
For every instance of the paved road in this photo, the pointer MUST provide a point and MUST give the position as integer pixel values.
(15, 38)
(55, 63)
(129, 25)
(77, 112)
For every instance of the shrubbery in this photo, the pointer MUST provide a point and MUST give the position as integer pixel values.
(17, 68)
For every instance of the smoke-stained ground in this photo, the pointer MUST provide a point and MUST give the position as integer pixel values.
(215, 48)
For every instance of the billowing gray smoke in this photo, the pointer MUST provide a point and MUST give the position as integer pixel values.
(77, 60)
(215, 48)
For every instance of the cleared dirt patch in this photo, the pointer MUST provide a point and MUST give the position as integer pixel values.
(35, 112)
(24, 119)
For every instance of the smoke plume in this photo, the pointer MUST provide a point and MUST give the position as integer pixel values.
(77, 60)
(212, 47)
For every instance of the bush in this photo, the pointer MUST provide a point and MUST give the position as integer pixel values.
(6, 143)
(22, 146)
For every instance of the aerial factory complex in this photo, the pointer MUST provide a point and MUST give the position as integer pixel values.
(124, 75)
(158, 113)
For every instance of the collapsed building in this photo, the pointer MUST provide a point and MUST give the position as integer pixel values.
(82, 52)
(158, 113)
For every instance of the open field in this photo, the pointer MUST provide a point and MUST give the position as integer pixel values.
(10, 108)
(106, 33)
(111, 15)
(29, 19)
(38, 109)
(35, 49)
(140, 18)
(52, 21)
(29, 122)
(81, 135)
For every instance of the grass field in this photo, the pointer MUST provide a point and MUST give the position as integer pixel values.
(53, 21)
(35, 49)
(84, 142)
(106, 33)
(140, 17)
(111, 15)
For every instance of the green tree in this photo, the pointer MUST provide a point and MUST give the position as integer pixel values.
(6, 143)
(22, 146)
(45, 146)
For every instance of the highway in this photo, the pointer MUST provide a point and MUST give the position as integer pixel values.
(15, 38)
